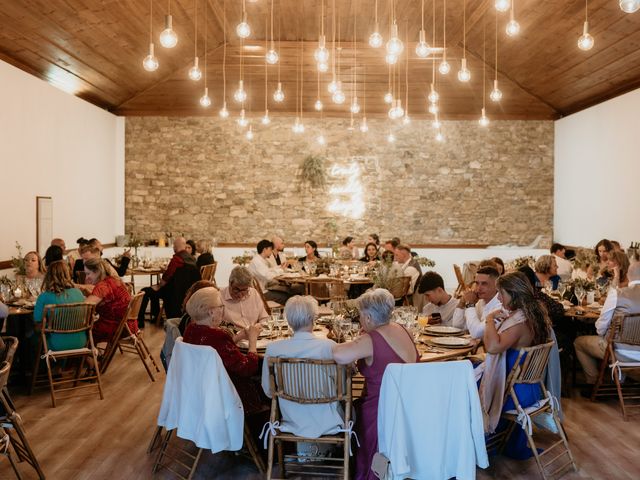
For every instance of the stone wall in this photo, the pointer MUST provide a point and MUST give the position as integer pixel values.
(201, 177)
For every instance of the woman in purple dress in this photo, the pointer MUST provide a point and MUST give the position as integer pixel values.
(381, 344)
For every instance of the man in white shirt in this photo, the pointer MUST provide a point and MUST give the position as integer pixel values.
(307, 420)
(243, 305)
(439, 301)
(277, 258)
(403, 263)
(474, 307)
(265, 274)
(565, 267)
(590, 349)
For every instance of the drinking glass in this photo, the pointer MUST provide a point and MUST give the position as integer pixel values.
(562, 289)
(580, 293)
(423, 320)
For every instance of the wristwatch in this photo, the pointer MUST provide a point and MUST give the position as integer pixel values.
(469, 305)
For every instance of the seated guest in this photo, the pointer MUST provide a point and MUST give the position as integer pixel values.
(311, 420)
(500, 264)
(125, 258)
(348, 250)
(603, 248)
(277, 258)
(618, 265)
(206, 310)
(375, 239)
(311, 252)
(565, 267)
(53, 254)
(87, 252)
(439, 301)
(265, 275)
(110, 297)
(383, 342)
(590, 348)
(522, 322)
(391, 245)
(243, 305)
(191, 248)
(205, 257)
(33, 274)
(180, 274)
(74, 256)
(546, 269)
(57, 289)
(555, 310)
(371, 254)
(60, 243)
(407, 265)
(474, 305)
(185, 319)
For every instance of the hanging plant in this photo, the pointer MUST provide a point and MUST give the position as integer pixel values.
(313, 171)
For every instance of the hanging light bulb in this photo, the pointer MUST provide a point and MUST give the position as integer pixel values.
(243, 29)
(318, 105)
(278, 95)
(502, 5)
(585, 42)
(205, 101)
(436, 122)
(388, 98)
(272, 57)
(195, 73)
(444, 67)
(496, 93)
(168, 38)
(321, 140)
(150, 62)
(333, 86)
(391, 59)
(433, 95)
(249, 133)
(464, 75)
(364, 128)
(355, 106)
(323, 67)
(423, 49)
(629, 6)
(439, 136)
(406, 120)
(399, 109)
(513, 27)
(391, 138)
(433, 108)
(265, 120)
(224, 113)
(375, 39)
(321, 54)
(240, 95)
(484, 120)
(394, 45)
(242, 121)
(338, 97)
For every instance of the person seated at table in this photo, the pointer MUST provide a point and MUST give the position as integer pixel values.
(243, 305)
(475, 304)
(565, 267)
(265, 274)
(53, 254)
(383, 342)
(305, 420)
(111, 298)
(87, 252)
(59, 242)
(438, 300)
(58, 289)
(33, 275)
(546, 268)
(191, 248)
(590, 348)
(311, 252)
(125, 258)
(500, 264)
(602, 249)
(185, 319)
(348, 250)
(618, 266)
(205, 257)
(391, 245)
(375, 239)
(277, 258)
(73, 256)
(371, 254)
(406, 265)
(206, 310)
(521, 322)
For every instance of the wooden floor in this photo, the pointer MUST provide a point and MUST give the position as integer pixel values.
(86, 438)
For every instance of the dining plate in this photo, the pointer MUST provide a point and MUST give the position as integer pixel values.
(450, 342)
(260, 345)
(442, 330)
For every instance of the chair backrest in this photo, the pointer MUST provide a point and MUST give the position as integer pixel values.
(399, 286)
(309, 381)
(5, 368)
(626, 329)
(258, 288)
(326, 289)
(208, 272)
(530, 365)
(130, 314)
(67, 318)
(182, 279)
(9, 349)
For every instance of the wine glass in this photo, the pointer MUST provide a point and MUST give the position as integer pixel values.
(562, 289)
(580, 293)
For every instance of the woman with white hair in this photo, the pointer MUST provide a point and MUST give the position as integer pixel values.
(382, 343)
(206, 310)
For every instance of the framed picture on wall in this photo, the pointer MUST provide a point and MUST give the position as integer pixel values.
(44, 223)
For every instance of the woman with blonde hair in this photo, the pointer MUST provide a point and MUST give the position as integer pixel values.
(33, 274)
(205, 257)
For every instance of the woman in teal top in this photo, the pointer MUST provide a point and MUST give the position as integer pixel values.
(57, 288)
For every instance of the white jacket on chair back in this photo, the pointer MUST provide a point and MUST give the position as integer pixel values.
(430, 421)
(200, 400)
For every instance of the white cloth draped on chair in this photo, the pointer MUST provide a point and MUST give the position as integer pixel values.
(200, 400)
(430, 421)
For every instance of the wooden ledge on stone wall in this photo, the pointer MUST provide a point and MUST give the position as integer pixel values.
(325, 245)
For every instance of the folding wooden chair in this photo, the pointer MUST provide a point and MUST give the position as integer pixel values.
(461, 283)
(624, 329)
(530, 368)
(399, 288)
(66, 319)
(309, 382)
(269, 305)
(10, 420)
(208, 272)
(326, 289)
(126, 341)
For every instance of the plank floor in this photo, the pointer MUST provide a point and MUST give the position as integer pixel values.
(86, 438)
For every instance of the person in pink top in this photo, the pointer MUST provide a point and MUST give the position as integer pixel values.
(382, 343)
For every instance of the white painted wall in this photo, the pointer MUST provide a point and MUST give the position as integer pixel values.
(597, 183)
(55, 144)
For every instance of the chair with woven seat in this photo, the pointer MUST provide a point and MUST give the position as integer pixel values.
(399, 288)
(326, 289)
(529, 368)
(208, 272)
(125, 340)
(10, 420)
(67, 319)
(624, 334)
(269, 305)
(309, 382)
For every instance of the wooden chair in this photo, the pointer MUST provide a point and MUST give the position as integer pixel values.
(208, 272)
(530, 368)
(66, 319)
(462, 286)
(309, 382)
(126, 341)
(624, 329)
(326, 289)
(10, 419)
(269, 305)
(399, 288)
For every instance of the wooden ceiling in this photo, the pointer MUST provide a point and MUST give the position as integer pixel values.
(94, 49)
